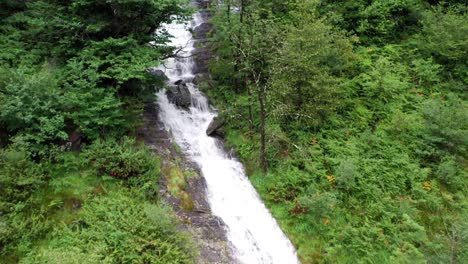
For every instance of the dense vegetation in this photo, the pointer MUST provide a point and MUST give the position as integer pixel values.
(355, 127)
(73, 74)
(355, 120)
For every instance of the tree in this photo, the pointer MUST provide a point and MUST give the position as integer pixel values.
(9, 7)
(445, 35)
(375, 22)
(255, 51)
(307, 69)
(31, 106)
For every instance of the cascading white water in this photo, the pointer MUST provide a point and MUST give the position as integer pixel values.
(252, 230)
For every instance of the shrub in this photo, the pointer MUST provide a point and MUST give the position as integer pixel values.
(119, 158)
(20, 210)
(19, 176)
(123, 229)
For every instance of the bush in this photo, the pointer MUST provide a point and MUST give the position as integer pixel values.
(30, 106)
(20, 211)
(19, 176)
(121, 159)
(451, 174)
(447, 122)
(122, 230)
(125, 159)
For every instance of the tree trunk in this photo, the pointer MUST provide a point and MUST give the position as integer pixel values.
(242, 11)
(3, 136)
(249, 92)
(261, 100)
(228, 12)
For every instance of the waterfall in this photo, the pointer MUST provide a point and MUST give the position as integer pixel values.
(253, 232)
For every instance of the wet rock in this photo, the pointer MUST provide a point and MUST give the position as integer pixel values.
(180, 95)
(203, 53)
(199, 78)
(207, 230)
(158, 73)
(202, 56)
(215, 127)
(205, 14)
(202, 31)
(204, 3)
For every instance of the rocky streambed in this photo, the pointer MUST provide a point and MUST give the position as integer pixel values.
(182, 185)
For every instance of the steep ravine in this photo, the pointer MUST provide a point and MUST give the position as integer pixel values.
(190, 201)
(221, 209)
(206, 229)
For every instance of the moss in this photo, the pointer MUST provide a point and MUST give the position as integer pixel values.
(177, 184)
(191, 174)
(177, 148)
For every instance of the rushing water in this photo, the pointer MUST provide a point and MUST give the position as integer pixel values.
(252, 230)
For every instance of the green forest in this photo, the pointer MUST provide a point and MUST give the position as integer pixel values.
(355, 121)
(70, 72)
(351, 118)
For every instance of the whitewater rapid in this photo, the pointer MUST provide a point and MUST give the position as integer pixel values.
(253, 232)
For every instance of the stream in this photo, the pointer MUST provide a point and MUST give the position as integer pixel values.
(254, 234)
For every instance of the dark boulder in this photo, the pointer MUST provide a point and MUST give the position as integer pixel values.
(202, 56)
(215, 127)
(158, 73)
(204, 3)
(180, 95)
(201, 32)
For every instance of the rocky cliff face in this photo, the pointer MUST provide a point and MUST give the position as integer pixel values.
(203, 52)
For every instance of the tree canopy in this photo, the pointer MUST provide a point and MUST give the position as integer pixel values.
(365, 123)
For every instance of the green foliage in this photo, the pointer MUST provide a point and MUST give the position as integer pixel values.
(121, 18)
(375, 22)
(95, 57)
(39, 110)
(305, 75)
(452, 174)
(31, 105)
(125, 159)
(80, 68)
(20, 176)
(365, 139)
(383, 84)
(94, 110)
(444, 34)
(117, 62)
(426, 73)
(447, 123)
(9, 7)
(279, 190)
(50, 211)
(62, 29)
(389, 20)
(120, 159)
(122, 228)
(20, 179)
